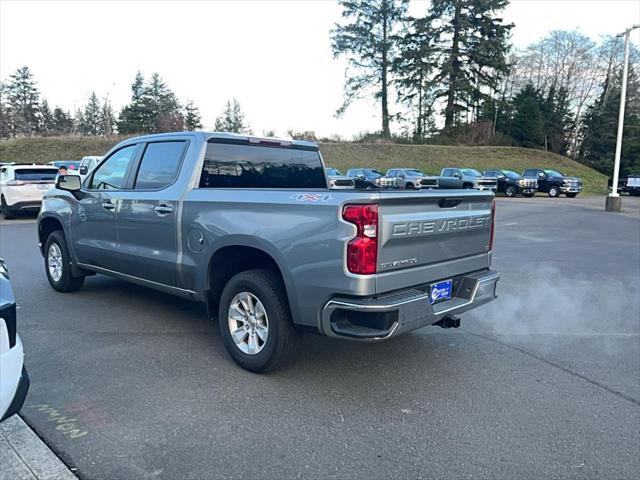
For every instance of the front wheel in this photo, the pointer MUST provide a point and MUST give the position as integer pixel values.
(510, 191)
(57, 264)
(255, 322)
(554, 192)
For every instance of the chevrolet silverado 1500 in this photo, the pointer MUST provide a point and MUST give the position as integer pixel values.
(249, 227)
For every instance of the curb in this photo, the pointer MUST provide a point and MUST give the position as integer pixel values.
(24, 456)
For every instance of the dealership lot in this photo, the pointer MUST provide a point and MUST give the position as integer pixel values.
(544, 382)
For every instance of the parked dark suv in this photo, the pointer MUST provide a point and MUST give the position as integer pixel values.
(511, 183)
(554, 183)
(370, 178)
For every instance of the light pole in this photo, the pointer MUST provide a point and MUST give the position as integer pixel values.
(614, 202)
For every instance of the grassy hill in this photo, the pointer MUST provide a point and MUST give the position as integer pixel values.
(429, 158)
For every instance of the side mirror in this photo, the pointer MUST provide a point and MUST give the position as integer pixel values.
(83, 170)
(401, 175)
(361, 177)
(457, 175)
(70, 183)
(542, 175)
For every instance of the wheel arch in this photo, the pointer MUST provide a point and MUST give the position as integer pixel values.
(48, 224)
(235, 257)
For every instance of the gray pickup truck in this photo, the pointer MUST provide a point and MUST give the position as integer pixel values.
(249, 227)
(466, 178)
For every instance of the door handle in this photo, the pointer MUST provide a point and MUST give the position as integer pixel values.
(163, 209)
(108, 206)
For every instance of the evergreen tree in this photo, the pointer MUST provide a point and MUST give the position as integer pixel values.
(412, 69)
(62, 122)
(135, 117)
(6, 126)
(556, 115)
(600, 128)
(527, 126)
(192, 117)
(232, 119)
(163, 106)
(91, 120)
(47, 124)
(24, 102)
(472, 43)
(368, 43)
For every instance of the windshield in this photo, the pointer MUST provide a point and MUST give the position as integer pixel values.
(414, 172)
(333, 172)
(553, 173)
(470, 172)
(35, 174)
(510, 174)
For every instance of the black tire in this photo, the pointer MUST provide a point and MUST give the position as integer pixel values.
(528, 195)
(282, 340)
(571, 195)
(467, 186)
(510, 191)
(554, 191)
(410, 186)
(67, 282)
(7, 213)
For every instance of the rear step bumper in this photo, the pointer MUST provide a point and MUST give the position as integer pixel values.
(389, 315)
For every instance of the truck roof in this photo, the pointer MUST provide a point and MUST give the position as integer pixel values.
(225, 135)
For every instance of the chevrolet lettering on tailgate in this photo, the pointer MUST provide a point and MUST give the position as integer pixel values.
(406, 229)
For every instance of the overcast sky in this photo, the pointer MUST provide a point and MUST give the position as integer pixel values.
(274, 56)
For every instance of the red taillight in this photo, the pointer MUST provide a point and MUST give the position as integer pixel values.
(362, 251)
(493, 223)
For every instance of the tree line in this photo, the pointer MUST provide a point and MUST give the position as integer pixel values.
(451, 76)
(446, 76)
(152, 108)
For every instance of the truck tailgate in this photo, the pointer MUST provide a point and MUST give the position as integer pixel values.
(427, 236)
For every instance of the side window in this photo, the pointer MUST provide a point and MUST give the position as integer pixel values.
(393, 173)
(447, 172)
(160, 164)
(2, 174)
(110, 175)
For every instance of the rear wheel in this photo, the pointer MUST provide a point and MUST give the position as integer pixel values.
(57, 264)
(554, 191)
(510, 191)
(255, 322)
(6, 211)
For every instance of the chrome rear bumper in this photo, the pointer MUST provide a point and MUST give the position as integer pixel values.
(385, 316)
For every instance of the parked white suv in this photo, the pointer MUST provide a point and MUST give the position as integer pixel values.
(22, 187)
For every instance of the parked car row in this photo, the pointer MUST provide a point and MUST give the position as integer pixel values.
(507, 182)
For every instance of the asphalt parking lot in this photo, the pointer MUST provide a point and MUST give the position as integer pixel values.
(542, 383)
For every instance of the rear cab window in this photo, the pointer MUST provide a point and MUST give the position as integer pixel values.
(241, 165)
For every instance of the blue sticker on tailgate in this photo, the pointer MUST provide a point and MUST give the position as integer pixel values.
(440, 291)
